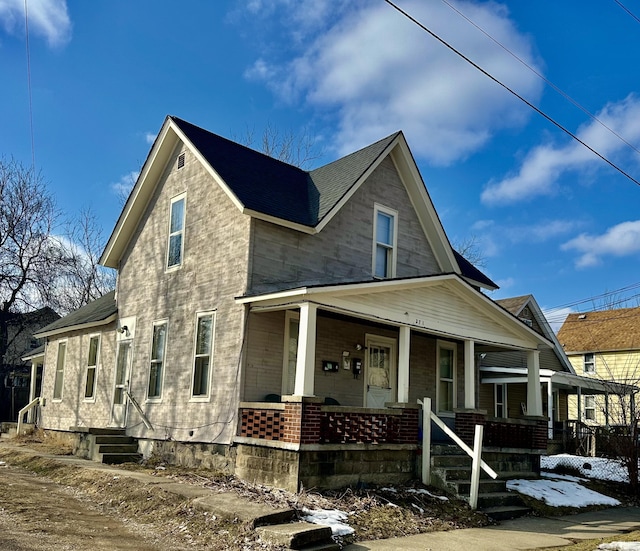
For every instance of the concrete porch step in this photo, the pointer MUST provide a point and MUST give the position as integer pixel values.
(499, 499)
(117, 448)
(299, 535)
(506, 512)
(115, 439)
(485, 486)
(117, 458)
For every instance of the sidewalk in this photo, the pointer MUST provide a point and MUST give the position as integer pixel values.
(522, 533)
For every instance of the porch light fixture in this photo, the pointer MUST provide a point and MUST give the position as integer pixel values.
(124, 329)
(358, 347)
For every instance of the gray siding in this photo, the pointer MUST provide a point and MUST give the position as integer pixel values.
(213, 273)
(342, 251)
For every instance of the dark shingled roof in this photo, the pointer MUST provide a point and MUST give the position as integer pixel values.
(94, 312)
(266, 185)
(468, 270)
(514, 304)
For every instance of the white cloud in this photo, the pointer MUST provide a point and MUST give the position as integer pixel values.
(150, 137)
(380, 73)
(47, 18)
(620, 240)
(543, 167)
(123, 187)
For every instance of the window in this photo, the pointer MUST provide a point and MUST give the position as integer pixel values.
(384, 251)
(92, 365)
(589, 362)
(175, 246)
(203, 350)
(590, 408)
(57, 385)
(446, 390)
(500, 392)
(156, 367)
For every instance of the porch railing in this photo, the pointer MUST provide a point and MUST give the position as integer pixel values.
(475, 453)
(34, 403)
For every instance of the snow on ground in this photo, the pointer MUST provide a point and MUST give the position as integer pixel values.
(560, 493)
(620, 546)
(333, 518)
(591, 467)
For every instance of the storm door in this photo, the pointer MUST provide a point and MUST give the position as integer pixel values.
(380, 371)
(121, 385)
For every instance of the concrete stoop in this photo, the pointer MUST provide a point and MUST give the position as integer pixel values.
(107, 445)
(451, 471)
(303, 536)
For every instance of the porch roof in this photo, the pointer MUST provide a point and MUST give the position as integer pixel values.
(562, 379)
(444, 305)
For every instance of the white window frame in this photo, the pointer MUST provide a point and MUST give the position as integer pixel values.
(592, 399)
(162, 362)
(289, 317)
(92, 398)
(180, 232)
(55, 398)
(203, 397)
(447, 345)
(391, 250)
(591, 362)
(500, 396)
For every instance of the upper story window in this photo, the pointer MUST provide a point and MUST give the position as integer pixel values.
(589, 362)
(175, 244)
(385, 225)
(92, 366)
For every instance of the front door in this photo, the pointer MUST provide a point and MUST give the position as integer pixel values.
(380, 371)
(121, 385)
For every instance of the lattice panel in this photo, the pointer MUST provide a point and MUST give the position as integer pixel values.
(262, 423)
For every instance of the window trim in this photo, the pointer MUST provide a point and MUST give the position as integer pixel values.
(55, 373)
(157, 323)
(393, 214)
(592, 398)
(592, 363)
(174, 200)
(203, 397)
(92, 398)
(290, 315)
(503, 400)
(447, 345)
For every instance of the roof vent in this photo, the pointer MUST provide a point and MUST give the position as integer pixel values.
(582, 316)
(181, 160)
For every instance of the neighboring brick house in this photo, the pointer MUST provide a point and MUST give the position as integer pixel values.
(283, 323)
(604, 346)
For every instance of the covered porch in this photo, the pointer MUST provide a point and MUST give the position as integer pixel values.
(337, 366)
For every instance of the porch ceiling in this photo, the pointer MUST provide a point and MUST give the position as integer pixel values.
(443, 305)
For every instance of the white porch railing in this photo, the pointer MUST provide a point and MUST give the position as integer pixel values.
(32, 404)
(475, 453)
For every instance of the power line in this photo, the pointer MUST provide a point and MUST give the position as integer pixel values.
(26, 27)
(513, 92)
(627, 10)
(545, 79)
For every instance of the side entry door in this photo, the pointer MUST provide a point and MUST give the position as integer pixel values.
(121, 385)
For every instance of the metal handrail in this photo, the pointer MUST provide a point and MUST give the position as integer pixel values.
(23, 411)
(475, 453)
(146, 421)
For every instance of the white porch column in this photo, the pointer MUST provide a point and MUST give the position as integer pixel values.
(550, 407)
(306, 360)
(534, 394)
(579, 400)
(32, 389)
(469, 375)
(404, 348)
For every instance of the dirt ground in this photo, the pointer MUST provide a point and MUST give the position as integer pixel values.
(40, 515)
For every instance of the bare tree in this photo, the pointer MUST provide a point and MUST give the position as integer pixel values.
(83, 280)
(30, 258)
(295, 149)
(470, 249)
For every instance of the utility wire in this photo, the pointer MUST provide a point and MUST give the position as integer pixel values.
(545, 79)
(513, 92)
(26, 27)
(627, 10)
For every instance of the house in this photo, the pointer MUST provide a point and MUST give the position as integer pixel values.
(605, 346)
(282, 324)
(503, 381)
(15, 377)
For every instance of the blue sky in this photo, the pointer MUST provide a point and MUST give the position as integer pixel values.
(550, 218)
